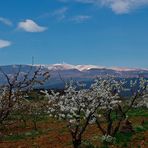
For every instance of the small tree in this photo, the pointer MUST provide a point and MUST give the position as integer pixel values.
(17, 86)
(110, 91)
(32, 110)
(140, 95)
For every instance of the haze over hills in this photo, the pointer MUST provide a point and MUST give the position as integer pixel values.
(85, 73)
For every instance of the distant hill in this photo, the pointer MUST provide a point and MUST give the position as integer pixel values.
(84, 73)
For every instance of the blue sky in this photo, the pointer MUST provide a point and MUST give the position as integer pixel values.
(99, 32)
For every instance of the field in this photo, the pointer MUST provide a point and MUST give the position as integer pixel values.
(98, 117)
(51, 133)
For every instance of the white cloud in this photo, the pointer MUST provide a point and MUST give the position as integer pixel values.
(60, 14)
(30, 26)
(80, 18)
(117, 6)
(5, 21)
(4, 43)
(120, 7)
(124, 6)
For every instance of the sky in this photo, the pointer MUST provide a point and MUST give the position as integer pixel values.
(97, 32)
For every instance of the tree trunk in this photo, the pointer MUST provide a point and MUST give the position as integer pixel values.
(105, 145)
(35, 125)
(76, 143)
(22, 119)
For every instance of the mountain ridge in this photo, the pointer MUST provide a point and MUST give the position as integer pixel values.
(88, 67)
(82, 67)
(83, 73)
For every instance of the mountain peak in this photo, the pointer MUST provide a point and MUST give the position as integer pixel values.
(65, 66)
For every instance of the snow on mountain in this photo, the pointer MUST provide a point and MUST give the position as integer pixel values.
(127, 69)
(82, 68)
(61, 67)
(88, 67)
(69, 67)
(78, 67)
(56, 66)
(85, 73)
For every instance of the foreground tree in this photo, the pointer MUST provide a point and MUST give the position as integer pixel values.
(17, 86)
(113, 112)
(102, 102)
(76, 107)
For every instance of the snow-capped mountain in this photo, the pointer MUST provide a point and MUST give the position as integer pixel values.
(76, 72)
(87, 67)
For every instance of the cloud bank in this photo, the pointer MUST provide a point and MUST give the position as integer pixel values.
(5, 21)
(60, 14)
(4, 43)
(124, 6)
(30, 26)
(117, 6)
(80, 18)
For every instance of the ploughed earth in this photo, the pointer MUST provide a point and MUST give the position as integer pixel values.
(54, 134)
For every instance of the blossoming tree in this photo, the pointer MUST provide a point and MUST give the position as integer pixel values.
(79, 106)
(76, 107)
(114, 109)
(17, 87)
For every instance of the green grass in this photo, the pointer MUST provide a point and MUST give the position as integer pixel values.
(142, 112)
(25, 135)
(141, 128)
(123, 139)
(146, 125)
(17, 137)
